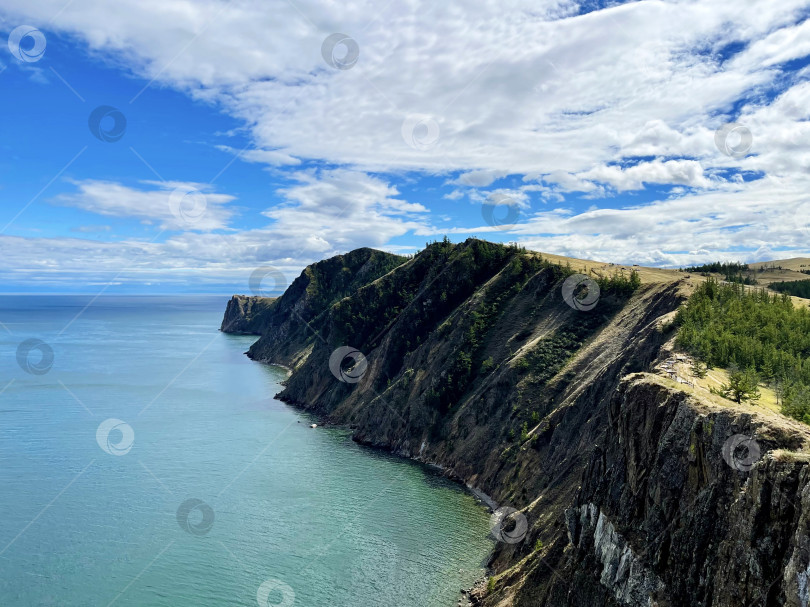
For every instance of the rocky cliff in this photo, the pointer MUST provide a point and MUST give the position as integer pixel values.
(285, 325)
(471, 357)
(685, 502)
(245, 314)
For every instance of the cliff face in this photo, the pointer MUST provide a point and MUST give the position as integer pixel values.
(668, 514)
(243, 314)
(466, 356)
(284, 325)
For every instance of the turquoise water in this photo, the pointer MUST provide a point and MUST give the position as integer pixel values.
(285, 514)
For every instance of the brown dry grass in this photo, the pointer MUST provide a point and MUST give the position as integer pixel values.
(651, 275)
(793, 264)
(647, 274)
(713, 401)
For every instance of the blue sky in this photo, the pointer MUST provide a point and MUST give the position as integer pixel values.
(592, 127)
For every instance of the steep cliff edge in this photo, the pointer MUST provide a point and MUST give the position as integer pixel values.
(244, 314)
(670, 513)
(468, 356)
(283, 322)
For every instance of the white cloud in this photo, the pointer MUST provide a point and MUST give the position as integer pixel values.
(777, 47)
(515, 87)
(681, 172)
(323, 214)
(501, 197)
(478, 179)
(601, 104)
(270, 157)
(772, 218)
(173, 205)
(340, 206)
(91, 229)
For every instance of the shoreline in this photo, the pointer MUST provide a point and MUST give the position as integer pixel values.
(324, 421)
(468, 596)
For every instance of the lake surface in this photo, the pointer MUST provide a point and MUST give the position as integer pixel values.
(148, 464)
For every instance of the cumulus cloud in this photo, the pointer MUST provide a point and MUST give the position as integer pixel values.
(501, 197)
(678, 172)
(324, 213)
(519, 86)
(599, 103)
(771, 221)
(173, 205)
(340, 206)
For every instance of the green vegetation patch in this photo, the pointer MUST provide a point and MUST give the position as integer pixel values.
(731, 271)
(332, 279)
(551, 353)
(798, 288)
(418, 297)
(758, 335)
(467, 359)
